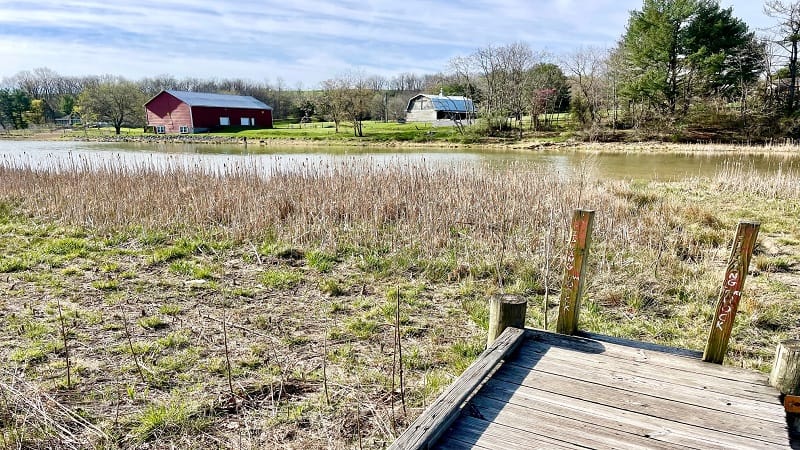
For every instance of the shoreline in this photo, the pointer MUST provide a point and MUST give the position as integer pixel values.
(650, 147)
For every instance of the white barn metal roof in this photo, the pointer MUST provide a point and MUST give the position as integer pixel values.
(447, 103)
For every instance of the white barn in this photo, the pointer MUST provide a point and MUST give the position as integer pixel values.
(430, 108)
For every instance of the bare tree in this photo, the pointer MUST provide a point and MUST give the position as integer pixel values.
(505, 75)
(586, 66)
(359, 96)
(334, 100)
(787, 36)
(348, 97)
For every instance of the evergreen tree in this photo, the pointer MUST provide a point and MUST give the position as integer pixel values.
(677, 50)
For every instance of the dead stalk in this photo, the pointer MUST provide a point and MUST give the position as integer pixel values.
(130, 346)
(227, 354)
(547, 244)
(66, 343)
(325, 364)
(399, 344)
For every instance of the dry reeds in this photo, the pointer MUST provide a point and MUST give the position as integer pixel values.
(31, 415)
(417, 203)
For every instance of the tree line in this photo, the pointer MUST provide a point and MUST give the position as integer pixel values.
(681, 66)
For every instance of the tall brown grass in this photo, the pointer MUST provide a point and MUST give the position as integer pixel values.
(316, 202)
(398, 203)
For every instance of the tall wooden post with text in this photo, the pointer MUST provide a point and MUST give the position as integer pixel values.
(731, 292)
(572, 287)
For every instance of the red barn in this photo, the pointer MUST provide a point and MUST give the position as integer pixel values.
(195, 112)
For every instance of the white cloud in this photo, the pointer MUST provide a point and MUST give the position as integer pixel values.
(305, 41)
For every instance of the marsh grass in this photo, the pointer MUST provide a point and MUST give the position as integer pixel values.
(298, 261)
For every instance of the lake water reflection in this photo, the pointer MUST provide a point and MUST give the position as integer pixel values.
(658, 166)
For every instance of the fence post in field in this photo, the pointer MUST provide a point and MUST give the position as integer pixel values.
(731, 292)
(572, 287)
(505, 311)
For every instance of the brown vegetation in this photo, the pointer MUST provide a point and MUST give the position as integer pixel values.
(254, 308)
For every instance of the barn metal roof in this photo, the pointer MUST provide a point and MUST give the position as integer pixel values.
(218, 100)
(448, 103)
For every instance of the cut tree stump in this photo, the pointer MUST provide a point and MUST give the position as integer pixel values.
(505, 311)
(785, 374)
(785, 377)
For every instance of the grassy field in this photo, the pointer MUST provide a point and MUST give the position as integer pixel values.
(374, 132)
(172, 307)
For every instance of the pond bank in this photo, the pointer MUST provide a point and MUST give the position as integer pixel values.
(782, 146)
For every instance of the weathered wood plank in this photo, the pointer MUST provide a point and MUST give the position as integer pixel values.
(649, 346)
(617, 376)
(428, 427)
(658, 407)
(546, 423)
(655, 358)
(567, 392)
(642, 424)
(456, 444)
(575, 272)
(533, 351)
(731, 292)
(479, 432)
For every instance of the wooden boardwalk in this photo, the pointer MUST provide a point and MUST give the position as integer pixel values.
(534, 389)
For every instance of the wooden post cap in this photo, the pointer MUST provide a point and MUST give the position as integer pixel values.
(505, 311)
(785, 375)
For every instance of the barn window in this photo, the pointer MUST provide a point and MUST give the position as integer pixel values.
(245, 121)
(224, 121)
(160, 129)
(184, 129)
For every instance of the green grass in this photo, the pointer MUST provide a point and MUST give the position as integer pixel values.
(170, 309)
(13, 264)
(174, 340)
(152, 323)
(374, 131)
(193, 269)
(106, 285)
(332, 287)
(281, 278)
(172, 417)
(320, 261)
(29, 354)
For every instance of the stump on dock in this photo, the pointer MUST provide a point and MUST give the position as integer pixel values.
(505, 311)
(785, 376)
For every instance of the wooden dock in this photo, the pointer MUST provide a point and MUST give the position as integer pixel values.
(535, 389)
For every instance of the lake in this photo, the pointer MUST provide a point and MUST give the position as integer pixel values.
(214, 157)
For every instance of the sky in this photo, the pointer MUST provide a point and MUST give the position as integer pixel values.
(300, 42)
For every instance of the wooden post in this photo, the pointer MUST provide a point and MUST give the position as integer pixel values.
(505, 311)
(785, 376)
(731, 292)
(572, 287)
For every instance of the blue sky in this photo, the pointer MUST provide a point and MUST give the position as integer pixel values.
(302, 42)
